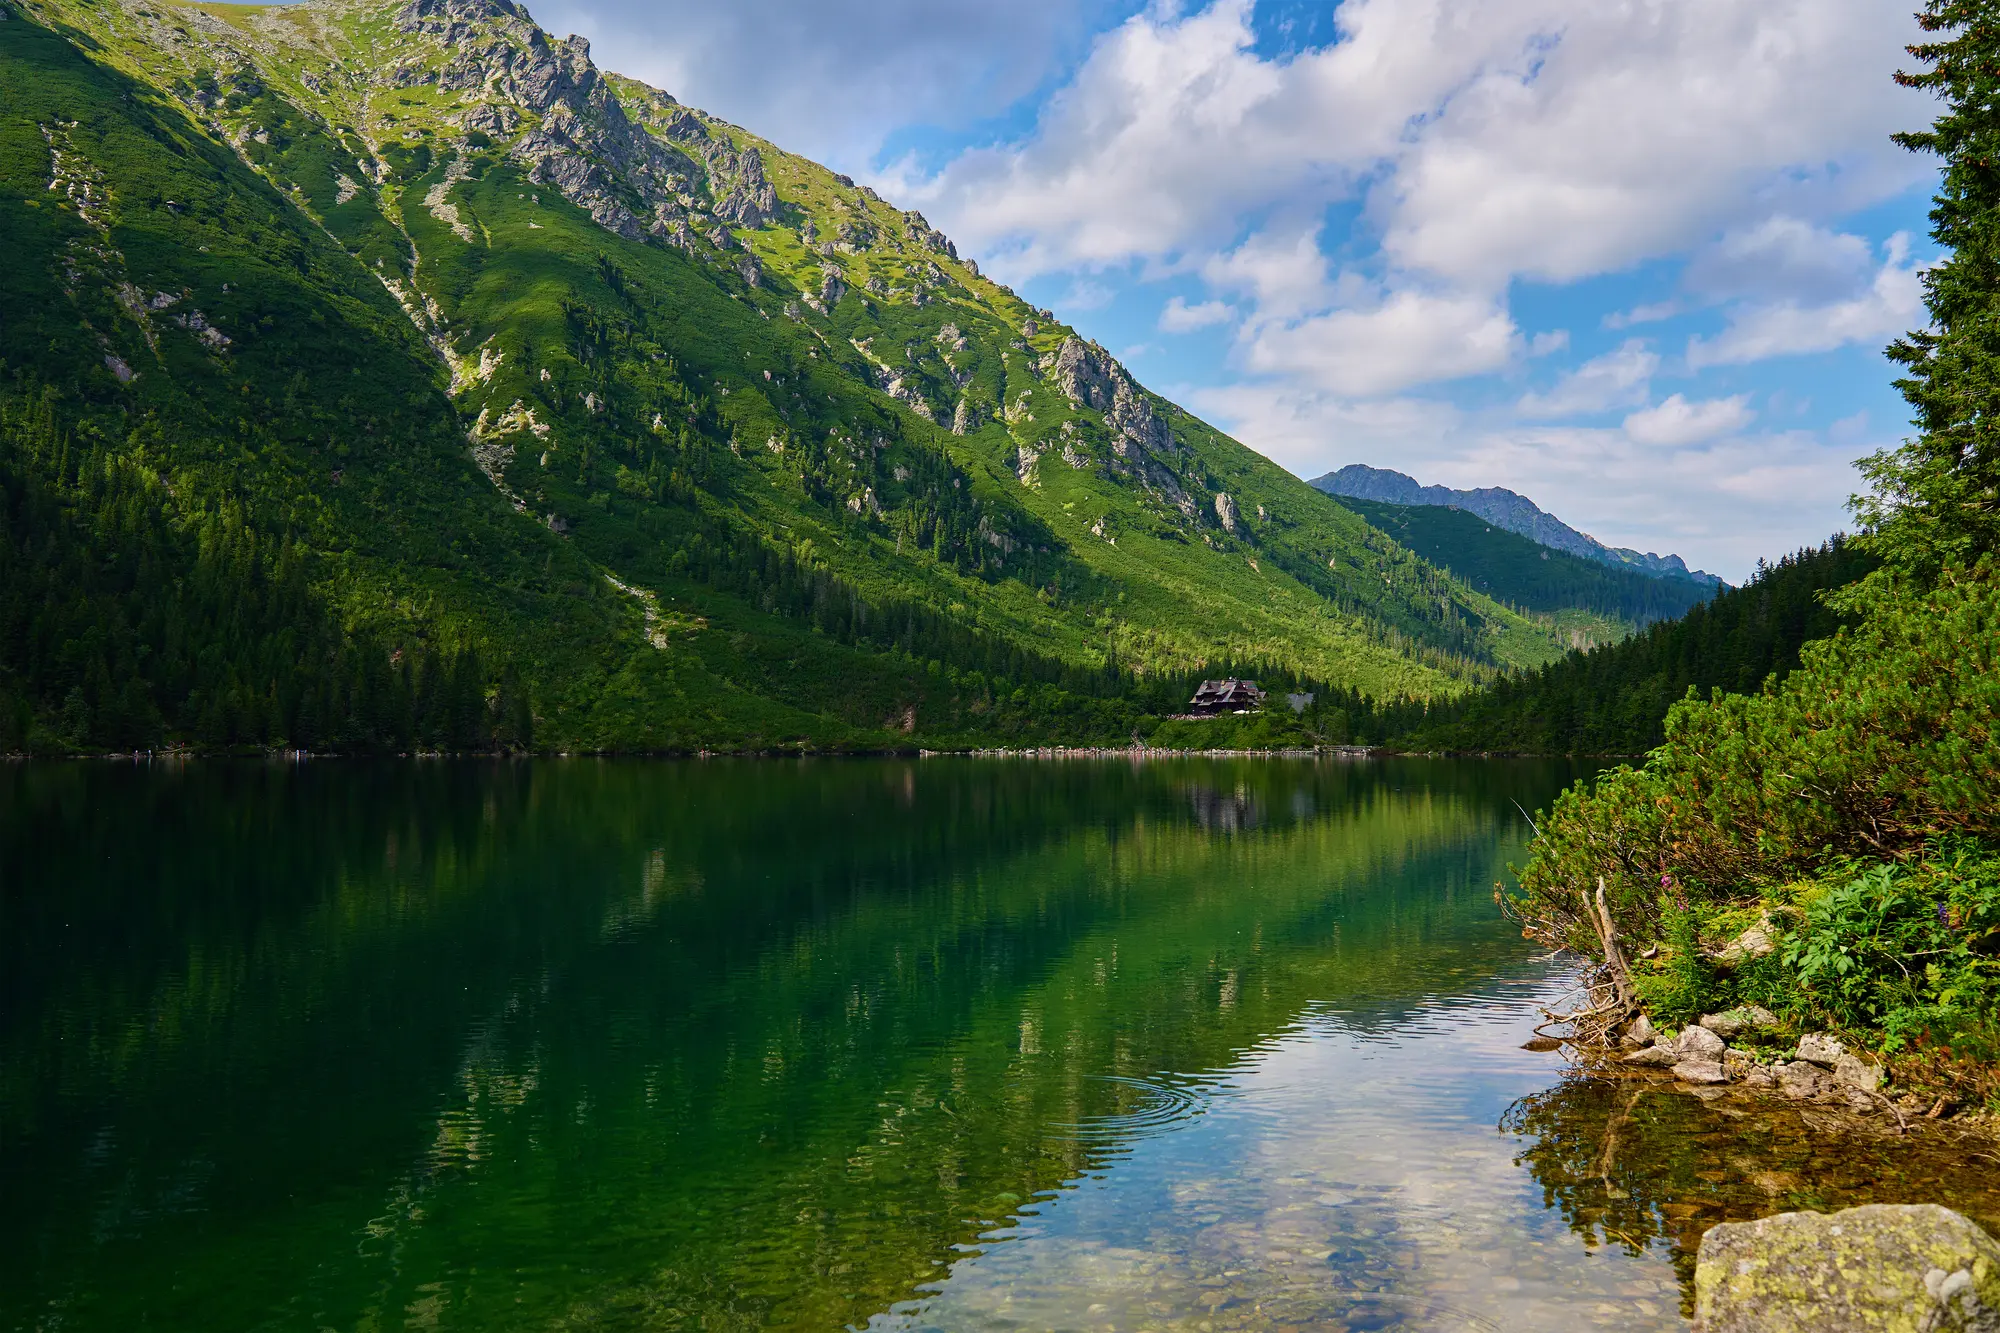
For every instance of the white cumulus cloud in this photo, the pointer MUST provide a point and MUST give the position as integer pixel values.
(1493, 139)
(1406, 338)
(1678, 421)
(1180, 317)
(1616, 379)
(1889, 305)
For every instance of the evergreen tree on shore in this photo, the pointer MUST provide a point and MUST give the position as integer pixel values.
(1936, 499)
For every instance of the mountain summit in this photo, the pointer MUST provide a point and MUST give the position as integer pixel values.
(664, 436)
(1504, 509)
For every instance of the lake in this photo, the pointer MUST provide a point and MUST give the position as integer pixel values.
(869, 1044)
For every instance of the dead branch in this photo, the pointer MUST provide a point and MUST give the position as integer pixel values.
(1614, 958)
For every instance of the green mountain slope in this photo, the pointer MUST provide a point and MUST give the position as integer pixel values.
(1594, 601)
(550, 392)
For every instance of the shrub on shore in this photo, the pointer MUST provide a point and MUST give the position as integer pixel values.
(1848, 812)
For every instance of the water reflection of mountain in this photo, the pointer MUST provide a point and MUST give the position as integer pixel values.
(750, 1042)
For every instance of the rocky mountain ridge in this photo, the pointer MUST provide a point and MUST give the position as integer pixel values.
(1506, 509)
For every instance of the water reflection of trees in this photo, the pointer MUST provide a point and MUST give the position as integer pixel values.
(849, 999)
(1633, 1162)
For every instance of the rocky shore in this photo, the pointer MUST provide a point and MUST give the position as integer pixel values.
(1818, 1068)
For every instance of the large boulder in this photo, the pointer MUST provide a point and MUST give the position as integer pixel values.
(1896, 1268)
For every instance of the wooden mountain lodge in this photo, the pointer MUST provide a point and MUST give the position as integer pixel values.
(1225, 696)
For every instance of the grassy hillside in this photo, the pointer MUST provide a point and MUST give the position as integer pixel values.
(1531, 577)
(642, 431)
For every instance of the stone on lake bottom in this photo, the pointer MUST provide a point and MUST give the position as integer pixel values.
(1898, 1268)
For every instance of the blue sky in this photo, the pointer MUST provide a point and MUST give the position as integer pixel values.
(1636, 259)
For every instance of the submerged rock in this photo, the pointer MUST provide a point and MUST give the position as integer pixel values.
(1899, 1268)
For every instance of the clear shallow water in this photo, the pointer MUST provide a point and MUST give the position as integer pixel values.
(871, 1044)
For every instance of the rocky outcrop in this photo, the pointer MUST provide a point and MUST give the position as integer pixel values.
(924, 234)
(1090, 377)
(1897, 1268)
(635, 177)
(1141, 441)
(966, 418)
(1225, 513)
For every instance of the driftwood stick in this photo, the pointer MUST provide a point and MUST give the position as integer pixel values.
(1614, 958)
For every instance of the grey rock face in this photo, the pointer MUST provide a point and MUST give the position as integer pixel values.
(1851, 1071)
(1911, 1268)
(967, 418)
(1090, 377)
(1821, 1049)
(586, 144)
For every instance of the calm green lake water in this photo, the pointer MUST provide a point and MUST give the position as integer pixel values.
(945, 1044)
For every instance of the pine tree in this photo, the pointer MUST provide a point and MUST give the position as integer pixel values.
(1937, 498)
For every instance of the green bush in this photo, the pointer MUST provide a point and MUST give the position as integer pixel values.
(1905, 950)
(1882, 742)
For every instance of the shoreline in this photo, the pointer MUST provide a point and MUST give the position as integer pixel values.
(1818, 1073)
(1345, 752)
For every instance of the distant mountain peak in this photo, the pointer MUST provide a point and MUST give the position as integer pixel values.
(1504, 509)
